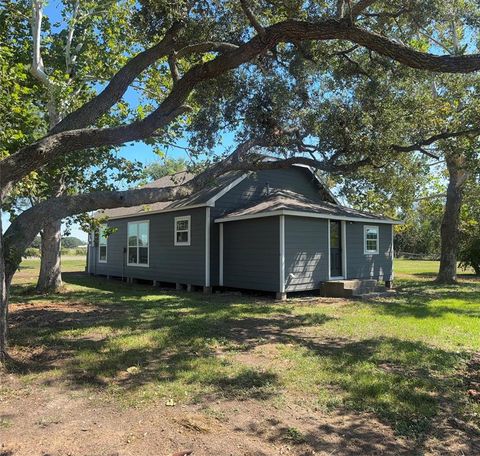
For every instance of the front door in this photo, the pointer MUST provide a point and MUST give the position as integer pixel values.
(335, 248)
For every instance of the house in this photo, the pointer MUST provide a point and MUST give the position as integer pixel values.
(272, 230)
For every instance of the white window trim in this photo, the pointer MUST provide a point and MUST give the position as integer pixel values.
(372, 227)
(101, 245)
(175, 231)
(148, 247)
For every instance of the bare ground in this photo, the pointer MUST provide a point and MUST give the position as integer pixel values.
(54, 421)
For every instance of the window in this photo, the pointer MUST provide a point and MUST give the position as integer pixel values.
(182, 230)
(138, 239)
(102, 246)
(370, 239)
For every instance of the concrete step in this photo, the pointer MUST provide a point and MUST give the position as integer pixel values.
(348, 288)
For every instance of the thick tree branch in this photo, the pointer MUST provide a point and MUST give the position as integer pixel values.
(99, 105)
(340, 11)
(37, 68)
(19, 164)
(206, 46)
(172, 64)
(251, 17)
(38, 154)
(420, 145)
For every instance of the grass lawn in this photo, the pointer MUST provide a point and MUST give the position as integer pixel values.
(401, 361)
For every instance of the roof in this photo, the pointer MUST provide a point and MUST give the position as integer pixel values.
(285, 202)
(200, 198)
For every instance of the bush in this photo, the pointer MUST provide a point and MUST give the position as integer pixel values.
(71, 242)
(470, 255)
(73, 252)
(32, 252)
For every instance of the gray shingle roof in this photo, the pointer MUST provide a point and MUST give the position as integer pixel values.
(290, 201)
(199, 198)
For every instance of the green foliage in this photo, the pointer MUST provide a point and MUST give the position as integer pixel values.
(165, 167)
(101, 44)
(469, 254)
(36, 242)
(73, 251)
(421, 230)
(71, 242)
(32, 252)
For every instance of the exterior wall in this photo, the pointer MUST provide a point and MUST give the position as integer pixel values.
(253, 188)
(167, 262)
(362, 266)
(251, 254)
(306, 253)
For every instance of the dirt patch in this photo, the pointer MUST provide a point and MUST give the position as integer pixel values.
(54, 421)
(472, 378)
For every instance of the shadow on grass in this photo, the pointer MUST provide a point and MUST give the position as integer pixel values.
(107, 336)
(421, 299)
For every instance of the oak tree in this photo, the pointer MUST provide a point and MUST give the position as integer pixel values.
(198, 52)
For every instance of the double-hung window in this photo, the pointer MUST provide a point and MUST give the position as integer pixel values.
(102, 245)
(370, 234)
(182, 230)
(138, 242)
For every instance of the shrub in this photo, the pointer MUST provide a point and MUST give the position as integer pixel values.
(469, 255)
(32, 252)
(73, 252)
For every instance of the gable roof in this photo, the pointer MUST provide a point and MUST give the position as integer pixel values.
(204, 197)
(285, 202)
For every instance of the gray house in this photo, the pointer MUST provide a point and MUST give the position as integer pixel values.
(272, 230)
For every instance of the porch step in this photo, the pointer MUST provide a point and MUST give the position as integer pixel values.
(351, 288)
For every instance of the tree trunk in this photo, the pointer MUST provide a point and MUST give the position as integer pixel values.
(50, 277)
(451, 220)
(3, 301)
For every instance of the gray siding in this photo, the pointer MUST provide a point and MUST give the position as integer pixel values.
(251, 255)
(361, 266)
(253, 188)
(167, 262)
(306, 254)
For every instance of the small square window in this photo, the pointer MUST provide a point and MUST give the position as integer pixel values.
(182, 230)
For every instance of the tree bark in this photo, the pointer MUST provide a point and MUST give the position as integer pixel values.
(3, 300)
(50, 277)
(449, 230)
